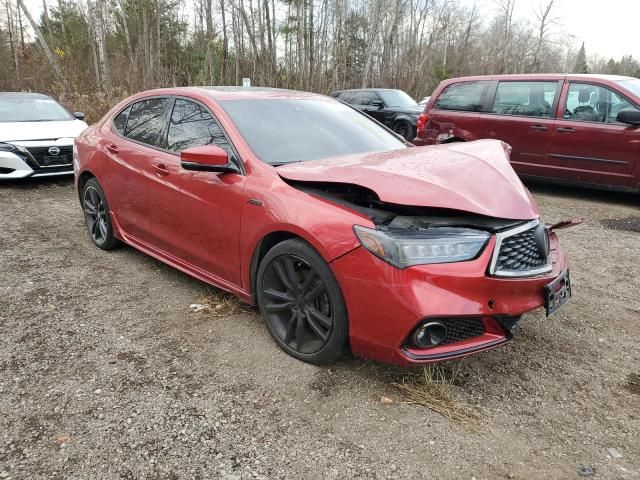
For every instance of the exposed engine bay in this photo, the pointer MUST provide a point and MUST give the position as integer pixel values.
(399, 217)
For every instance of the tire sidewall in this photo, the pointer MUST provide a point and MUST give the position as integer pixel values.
(110, 241)
(338, 340)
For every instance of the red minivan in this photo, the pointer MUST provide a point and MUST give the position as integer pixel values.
(581, 129)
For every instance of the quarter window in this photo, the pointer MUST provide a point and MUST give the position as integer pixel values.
(591, 103)
(120, 120)
(146, 120)
(465, 97)
(192, 125)
(529, 99)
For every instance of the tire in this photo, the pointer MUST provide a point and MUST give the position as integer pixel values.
(97, 216)
(302, 304)
(405, 130)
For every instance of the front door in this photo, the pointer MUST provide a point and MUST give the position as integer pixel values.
(196, 215)
(588, 144)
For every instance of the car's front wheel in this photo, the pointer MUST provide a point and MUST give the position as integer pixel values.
(97, 216)
(301, 303)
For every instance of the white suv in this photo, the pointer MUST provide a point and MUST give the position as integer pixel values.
(36, 136)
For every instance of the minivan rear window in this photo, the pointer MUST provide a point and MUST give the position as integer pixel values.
(464, 96)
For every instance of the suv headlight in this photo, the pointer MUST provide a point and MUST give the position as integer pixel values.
(404, 248)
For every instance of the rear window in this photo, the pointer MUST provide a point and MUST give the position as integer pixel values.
(282, 131)
(146, 120)
(464, 97)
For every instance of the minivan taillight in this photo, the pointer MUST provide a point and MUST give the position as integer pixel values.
(422, 122)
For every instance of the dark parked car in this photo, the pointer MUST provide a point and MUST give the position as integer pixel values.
(393, 108)
(581, 129)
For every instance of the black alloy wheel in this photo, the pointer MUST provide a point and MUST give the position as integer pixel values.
(96, 216)
(404, 129)
(301, 303)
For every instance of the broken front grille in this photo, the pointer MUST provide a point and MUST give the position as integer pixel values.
(521, 251)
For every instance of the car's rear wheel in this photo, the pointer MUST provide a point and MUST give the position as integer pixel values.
(301, 303)
(404, 129)
(97, 216)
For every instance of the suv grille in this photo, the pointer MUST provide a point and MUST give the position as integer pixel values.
(459, 329)
(45, 159)
(522, 253)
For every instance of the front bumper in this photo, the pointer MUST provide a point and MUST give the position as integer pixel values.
(386, 304)
(22, 164)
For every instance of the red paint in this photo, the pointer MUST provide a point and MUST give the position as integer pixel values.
(210, 225)
(555, 148)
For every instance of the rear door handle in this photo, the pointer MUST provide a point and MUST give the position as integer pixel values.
(565, 130)
(539, 128)
(160, 169)
(113, 148)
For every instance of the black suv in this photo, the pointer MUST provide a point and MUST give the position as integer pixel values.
(393, 108)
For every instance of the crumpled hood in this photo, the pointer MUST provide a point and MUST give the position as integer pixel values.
(474, 177)
(27, 131)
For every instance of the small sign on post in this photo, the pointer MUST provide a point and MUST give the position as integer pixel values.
(246, 82)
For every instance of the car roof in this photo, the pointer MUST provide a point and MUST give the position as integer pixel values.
(23, 94)
(541, 76)
(238, 93)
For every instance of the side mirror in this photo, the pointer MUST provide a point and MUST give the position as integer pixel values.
(207, 158)
(629, 115)
(79, 115)
(377, 103)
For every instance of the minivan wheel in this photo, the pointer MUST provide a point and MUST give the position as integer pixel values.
(405, 129)
(301, 303)
(97, 216)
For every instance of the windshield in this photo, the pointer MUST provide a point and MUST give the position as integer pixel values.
(633, 85)
(288, 130)
(17, 108)
(396, 98)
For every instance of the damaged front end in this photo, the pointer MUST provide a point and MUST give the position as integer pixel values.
(405, 236)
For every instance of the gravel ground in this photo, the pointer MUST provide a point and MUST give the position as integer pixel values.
(106, 373)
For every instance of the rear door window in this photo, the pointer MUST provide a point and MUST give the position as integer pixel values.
(147, 120)
(528, 99)
(192, 125)
(464, 97)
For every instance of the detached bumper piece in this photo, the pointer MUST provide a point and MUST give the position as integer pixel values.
(438, 339)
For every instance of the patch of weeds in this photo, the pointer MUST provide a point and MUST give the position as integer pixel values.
(432, 388)
(630, 224)
(218, 303)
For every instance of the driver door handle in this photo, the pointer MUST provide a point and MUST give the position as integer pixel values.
(565, 130)
(160, 169)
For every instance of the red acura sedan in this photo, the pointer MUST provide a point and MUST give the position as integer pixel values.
(343, 234)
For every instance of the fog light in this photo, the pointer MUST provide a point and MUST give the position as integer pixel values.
(429, 335)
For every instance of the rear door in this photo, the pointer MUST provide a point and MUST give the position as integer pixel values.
(128, 145)
(196, 215)
(522, 114)
(588, 144)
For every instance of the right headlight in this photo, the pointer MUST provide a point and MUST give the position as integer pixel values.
(404, 248)
(8, 147)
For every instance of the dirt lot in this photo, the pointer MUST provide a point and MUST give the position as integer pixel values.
(106, 373)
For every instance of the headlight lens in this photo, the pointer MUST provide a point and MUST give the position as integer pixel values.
(404, 248)
(8, 147)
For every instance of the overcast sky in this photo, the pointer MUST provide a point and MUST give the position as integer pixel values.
(609, 28)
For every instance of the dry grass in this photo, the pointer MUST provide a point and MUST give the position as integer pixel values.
(432, 388)
(218, 303)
